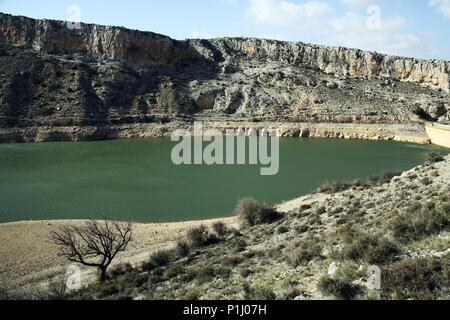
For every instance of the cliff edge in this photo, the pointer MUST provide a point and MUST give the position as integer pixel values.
(106, 78)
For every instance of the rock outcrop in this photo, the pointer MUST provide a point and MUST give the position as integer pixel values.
(52, 76)
(97, 42)
(343, 61)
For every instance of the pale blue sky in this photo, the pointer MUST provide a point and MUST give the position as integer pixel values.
(417, 28)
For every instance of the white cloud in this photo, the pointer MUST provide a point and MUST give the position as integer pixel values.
(358, 2)
(362, 3)
(303, 15)
(297, 20)
(442, 6)
(351, 30)
(196, 34)
(353, 22)
(392, 37)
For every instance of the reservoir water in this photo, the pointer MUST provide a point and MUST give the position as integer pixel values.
(136, 179)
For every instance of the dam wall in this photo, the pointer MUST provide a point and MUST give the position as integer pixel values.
(439, 134)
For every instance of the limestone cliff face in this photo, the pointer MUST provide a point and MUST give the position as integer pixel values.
(99, 42)
(98, 76)
(345, 62)
(103, 42)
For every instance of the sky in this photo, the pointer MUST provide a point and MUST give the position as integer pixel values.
(414, 28)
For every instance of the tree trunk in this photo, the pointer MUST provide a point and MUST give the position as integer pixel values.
(103, 274)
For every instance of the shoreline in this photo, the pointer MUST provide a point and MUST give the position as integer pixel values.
(28, 259)
(405, 132)
(135, 222)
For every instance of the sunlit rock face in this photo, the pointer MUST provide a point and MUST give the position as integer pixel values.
(344, 62)
(97, 42)
(55, 76)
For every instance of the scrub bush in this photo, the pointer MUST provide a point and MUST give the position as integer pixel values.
(252, 213)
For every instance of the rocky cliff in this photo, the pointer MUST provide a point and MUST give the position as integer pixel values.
(53, 76)
(97, 42)
(350, 62)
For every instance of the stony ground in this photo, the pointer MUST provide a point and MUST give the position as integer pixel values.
(28, 258)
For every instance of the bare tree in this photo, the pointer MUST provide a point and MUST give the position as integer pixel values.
(94, 244)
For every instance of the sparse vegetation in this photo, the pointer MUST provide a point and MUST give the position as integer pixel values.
(220, 228)
(108, 289)
(96, 244)
(120, 269)
(334, 186)
(340, 288)
(183, 247)
(157, 259)
(373, 249)
(424, 278)
(240, 245)
(57, 288)
(434, 157)
(383, 178)
(253, 213)
(192, 295)
(200, 236)
(258, 294)
(46, 111)
(418, 221)
(426, 181)
(282, 229)
(375, 180)
(321, 210)
(244, 273)
(4, 294)
(307, 250)
(422, 114)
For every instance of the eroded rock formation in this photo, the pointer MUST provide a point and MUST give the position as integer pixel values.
(97, 42)
(52, 76)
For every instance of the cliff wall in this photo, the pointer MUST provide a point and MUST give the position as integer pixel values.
(104, 42)
(346, 62)
(52, 76)
(99, 42)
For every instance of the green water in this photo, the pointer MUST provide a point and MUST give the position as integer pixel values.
(136, 179)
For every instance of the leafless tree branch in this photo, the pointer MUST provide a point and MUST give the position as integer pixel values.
(95, 244)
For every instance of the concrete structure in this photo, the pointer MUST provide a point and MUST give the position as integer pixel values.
(439, 134)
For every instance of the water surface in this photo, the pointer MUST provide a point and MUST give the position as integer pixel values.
(136, 179)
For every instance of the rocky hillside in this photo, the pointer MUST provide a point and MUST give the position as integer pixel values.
(99, 77)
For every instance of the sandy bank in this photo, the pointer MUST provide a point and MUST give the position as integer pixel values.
(27, 256)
